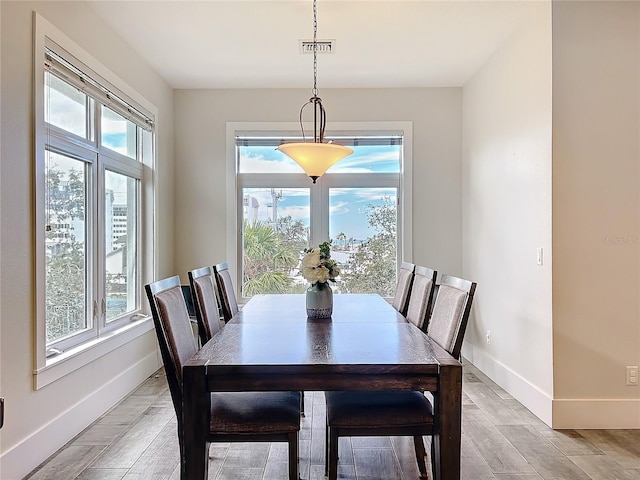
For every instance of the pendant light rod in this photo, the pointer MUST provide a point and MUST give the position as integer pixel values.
(315, 158)
(315, 48)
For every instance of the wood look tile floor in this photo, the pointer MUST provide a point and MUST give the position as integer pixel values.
(501, 440)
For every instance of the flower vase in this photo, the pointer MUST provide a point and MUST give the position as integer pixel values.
(319, 300)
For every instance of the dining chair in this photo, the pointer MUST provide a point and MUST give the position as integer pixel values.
(450, 313)
(227, 299)
(205, 302)
(234, 416)
(403, 287)
(421, 296)
(226, 294)
(401, 413)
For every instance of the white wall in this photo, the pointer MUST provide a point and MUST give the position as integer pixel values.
(39, 422)
(0, 222)
(596, 212)
(201, 117)
(506, 213)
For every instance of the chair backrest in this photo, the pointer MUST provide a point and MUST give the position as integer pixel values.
(421, 296)
(207, 309)
(451, 313)
(173, 329)
(227, 296)
(403, 287)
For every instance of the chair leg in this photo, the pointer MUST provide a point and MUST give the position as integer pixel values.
(183, 457)
(433, 459)
(333, 453)
(294, 463)
(301, 403)
(326, 451)
(418, 445)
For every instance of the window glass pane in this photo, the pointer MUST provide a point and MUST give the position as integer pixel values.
(362, 226)
(66, 225)
(118, 133)
(370, 158)
(265, 159)
(121, 247)
(365, 158)
(275, 231)
(65, 106)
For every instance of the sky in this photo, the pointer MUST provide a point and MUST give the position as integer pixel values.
(347, 206)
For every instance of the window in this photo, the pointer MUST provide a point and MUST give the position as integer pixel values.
(92, 145)
(359, 204)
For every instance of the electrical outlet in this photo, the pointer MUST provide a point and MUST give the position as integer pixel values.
(632, 375)
(489, 339)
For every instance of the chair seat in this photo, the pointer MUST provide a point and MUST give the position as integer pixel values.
(377, 409)
(247, 412)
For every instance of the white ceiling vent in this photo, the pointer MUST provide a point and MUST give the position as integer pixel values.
(324, 46)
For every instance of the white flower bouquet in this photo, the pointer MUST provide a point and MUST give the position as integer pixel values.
(318, 266)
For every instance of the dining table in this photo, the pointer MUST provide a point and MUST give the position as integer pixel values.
(271, 345)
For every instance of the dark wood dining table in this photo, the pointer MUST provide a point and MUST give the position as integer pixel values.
(366, 345)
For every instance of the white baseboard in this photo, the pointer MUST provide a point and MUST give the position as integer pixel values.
(18, 461)
(529, 395)
(573, 413)
(606, 413)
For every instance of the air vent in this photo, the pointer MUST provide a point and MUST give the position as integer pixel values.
(324, 46)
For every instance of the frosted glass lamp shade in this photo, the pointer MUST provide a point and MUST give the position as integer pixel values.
(315, 158)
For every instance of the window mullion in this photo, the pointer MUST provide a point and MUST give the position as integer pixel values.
(97, 198)
(91, 121)
(325, 185)
(316, 213)
(97, 246)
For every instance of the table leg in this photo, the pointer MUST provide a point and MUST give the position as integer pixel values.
(449, 416)
(196, 407)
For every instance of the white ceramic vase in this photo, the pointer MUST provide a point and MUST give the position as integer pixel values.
(319, 300)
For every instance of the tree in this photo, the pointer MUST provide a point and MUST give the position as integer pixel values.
(341, 237)
(65, 269)
(372, 267)
(292, 233)
(268, 258)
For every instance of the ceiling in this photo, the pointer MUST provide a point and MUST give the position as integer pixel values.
(255, 43)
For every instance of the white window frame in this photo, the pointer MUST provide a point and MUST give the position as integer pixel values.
(111, 335)
(234, 188)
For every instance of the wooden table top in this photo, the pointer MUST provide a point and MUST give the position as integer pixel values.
(364, 336)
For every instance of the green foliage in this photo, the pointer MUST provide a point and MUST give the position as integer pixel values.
(293, 233)
(267, 282)
(372, 268)
(65, 270)
(65, 286)
(268, 257)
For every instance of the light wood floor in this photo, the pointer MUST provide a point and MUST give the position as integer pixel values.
(501, 440)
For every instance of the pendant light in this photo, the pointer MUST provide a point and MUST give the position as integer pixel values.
(315, 157)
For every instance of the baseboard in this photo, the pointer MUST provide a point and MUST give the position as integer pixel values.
(529, 395)
(18, 461)
(606, 413)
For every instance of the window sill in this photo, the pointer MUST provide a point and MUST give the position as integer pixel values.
(75, 358)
